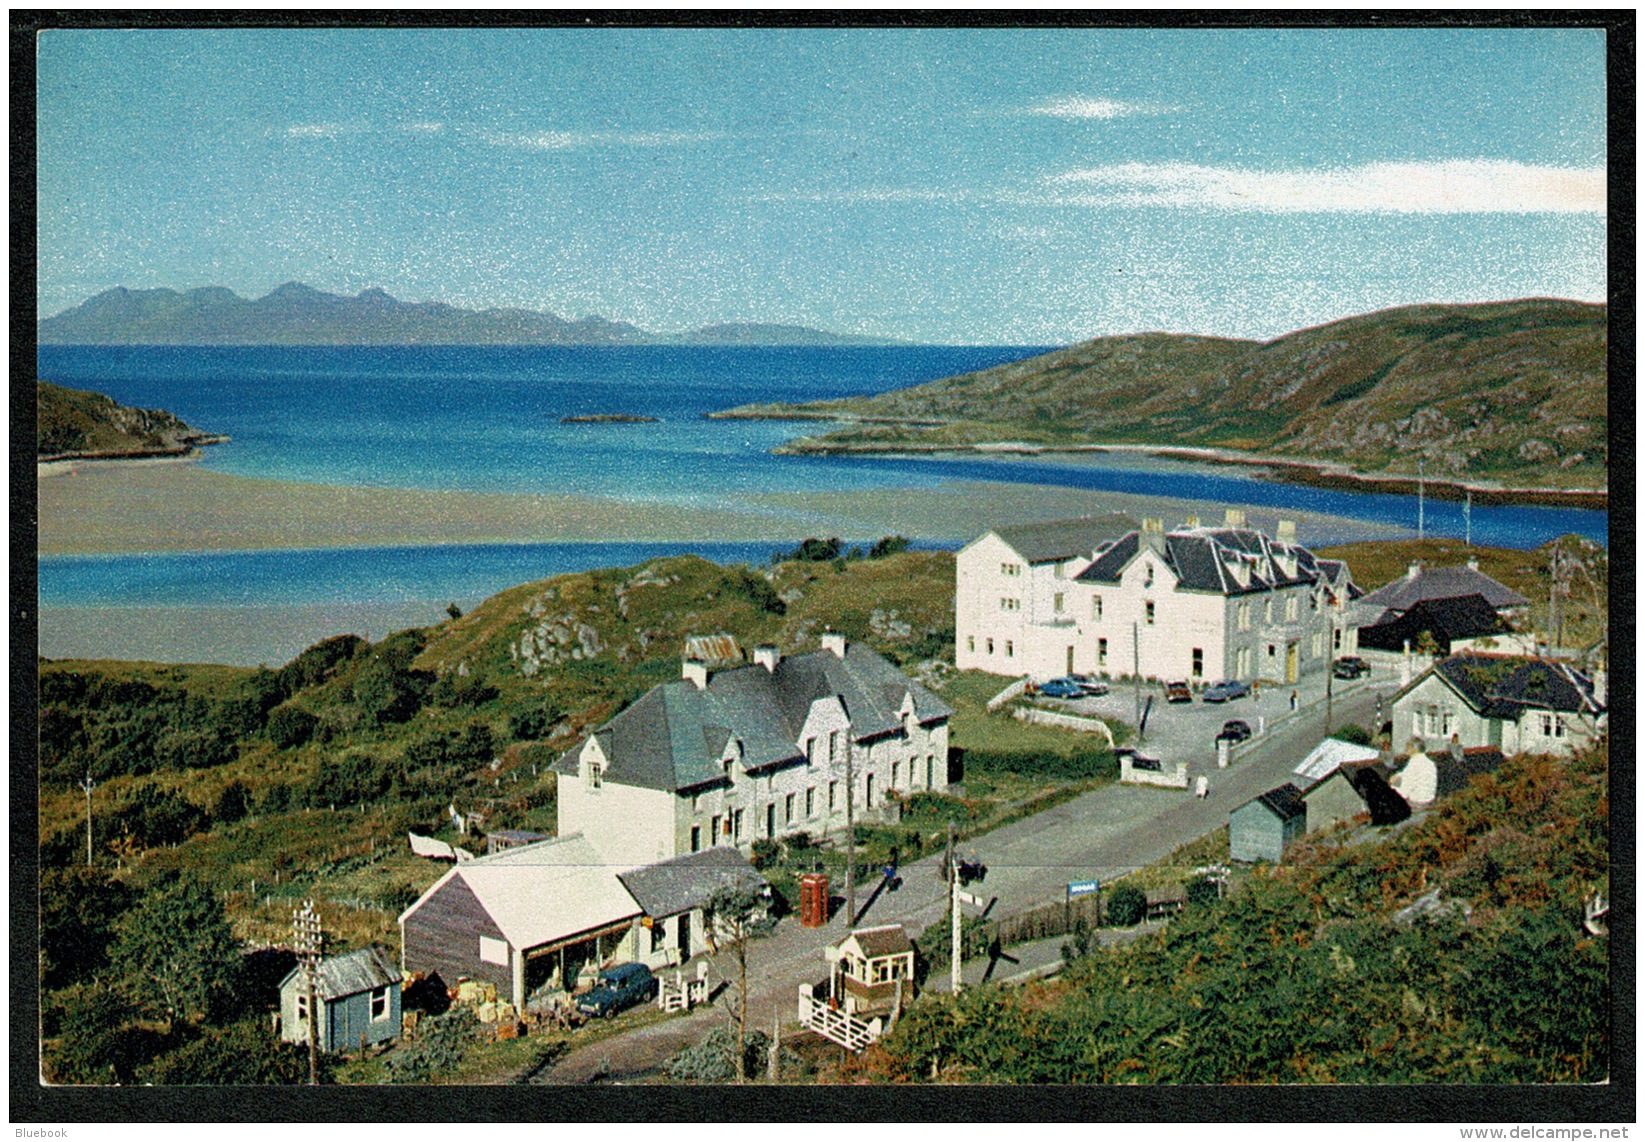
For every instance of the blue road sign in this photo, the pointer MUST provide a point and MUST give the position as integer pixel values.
(1082, 887)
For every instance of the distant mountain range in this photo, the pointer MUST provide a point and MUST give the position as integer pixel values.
(1512, 392)
(297, 314)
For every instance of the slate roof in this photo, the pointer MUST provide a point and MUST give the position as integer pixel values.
(887, 940)
(673, 736)
(1284, 802)
(1450, 620)
(1454, 772)
(687, 882)
(1505, 686)
(363, 970)
(1064, 538)
(1442, 583)
(1204, 558)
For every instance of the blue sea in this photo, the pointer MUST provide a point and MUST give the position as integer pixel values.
(488, 419)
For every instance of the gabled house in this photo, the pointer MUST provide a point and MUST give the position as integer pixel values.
(1197, 603)
(1261, 828)
(1451, 604)
(870, 968)
(359, 999)
(1331, 799)
(760, 751)
(1513, 703)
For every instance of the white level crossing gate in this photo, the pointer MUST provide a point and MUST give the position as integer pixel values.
(833, 1023)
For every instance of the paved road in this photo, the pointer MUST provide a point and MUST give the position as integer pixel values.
(1103, 833)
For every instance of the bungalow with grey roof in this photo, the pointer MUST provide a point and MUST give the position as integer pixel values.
(1514, 703)
(761, 751)
(1453, 605)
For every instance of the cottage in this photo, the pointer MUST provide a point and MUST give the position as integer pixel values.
(871, 969)
(1512, 703)
(1450, 604)
(522, 917)
(674, 894)
(1261, 828)
(1331, 799)
(762, 751)
(359, 998)
(1103, 596)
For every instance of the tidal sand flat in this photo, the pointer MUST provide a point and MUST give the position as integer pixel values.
(184, 507)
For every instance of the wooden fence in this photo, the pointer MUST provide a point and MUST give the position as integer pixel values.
(1060, 919)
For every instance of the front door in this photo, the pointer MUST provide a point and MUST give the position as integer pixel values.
(684, 921)
(1070, 669)
(1291, 662)
(771, 820)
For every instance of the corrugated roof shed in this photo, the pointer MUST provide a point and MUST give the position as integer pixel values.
(688, 882)
(1324, 758)
(363, 970)
(715, 649)
(1284, 802)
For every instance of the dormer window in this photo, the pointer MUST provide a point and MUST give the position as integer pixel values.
(595, 771)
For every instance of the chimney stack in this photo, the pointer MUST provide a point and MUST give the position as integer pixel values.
(835, 641)
(1413, 570)
(694, 672)
(1190, 523)
(1473, 563)
(1233, 517)
(767, 656)
(1287, 531)
(1153, 534)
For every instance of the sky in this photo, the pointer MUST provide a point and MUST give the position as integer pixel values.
(1009, 186)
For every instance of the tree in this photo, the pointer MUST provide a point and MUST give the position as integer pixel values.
(175, 956)
(1126, 906)
(232, 804)
(241, 1054)
(78, 910)
(888, 545)
(732, 912)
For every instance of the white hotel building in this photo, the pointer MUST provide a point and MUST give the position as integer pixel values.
(1099, 595)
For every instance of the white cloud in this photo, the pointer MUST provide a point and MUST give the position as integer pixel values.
(1081, 107)
(567, 140)
(317, 130)
(1452, 187)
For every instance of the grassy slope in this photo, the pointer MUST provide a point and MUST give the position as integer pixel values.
(1511, 391)
(70, 420)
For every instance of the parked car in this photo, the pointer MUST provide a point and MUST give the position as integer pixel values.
(1061, 688)
(619, 988)
(1178, 692)
(1350, 668)
(1226, 691)
(1235, 731)
(1090, 685)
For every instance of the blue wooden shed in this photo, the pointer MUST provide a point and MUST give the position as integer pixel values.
(1262, 827)
(359, 997)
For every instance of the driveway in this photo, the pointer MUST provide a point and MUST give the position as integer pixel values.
(1102, 834)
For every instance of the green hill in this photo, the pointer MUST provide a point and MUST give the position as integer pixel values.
(1511, 392)
(70, 422)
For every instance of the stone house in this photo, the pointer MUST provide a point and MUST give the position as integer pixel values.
(760, 751)
(1197, 603)
(1453, 605)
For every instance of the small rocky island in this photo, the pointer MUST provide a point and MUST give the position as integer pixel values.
(609, 418)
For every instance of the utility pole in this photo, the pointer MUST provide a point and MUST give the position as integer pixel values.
(1554, 617)
(1419, 499)
(850, 838)
(954, 909)
(88, 785)
(1136, 679)
(1330, 657)
(307, 940)
(1467, 517)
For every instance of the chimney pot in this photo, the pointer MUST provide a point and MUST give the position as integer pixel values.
(1234, 517)
(1287, 531)
(1413, 570)
(767, 656)
(835, 641)
(695, 672)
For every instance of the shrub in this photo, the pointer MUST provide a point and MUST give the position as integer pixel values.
(241, 1054)
(761, 593)
(232, 803)
(888, 545)
(764, 852)
(1355, 735)
(714, 1060)
(532, 722)
(1126, 906)
(289, 726)
(1079, 765)
(439, 1046)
